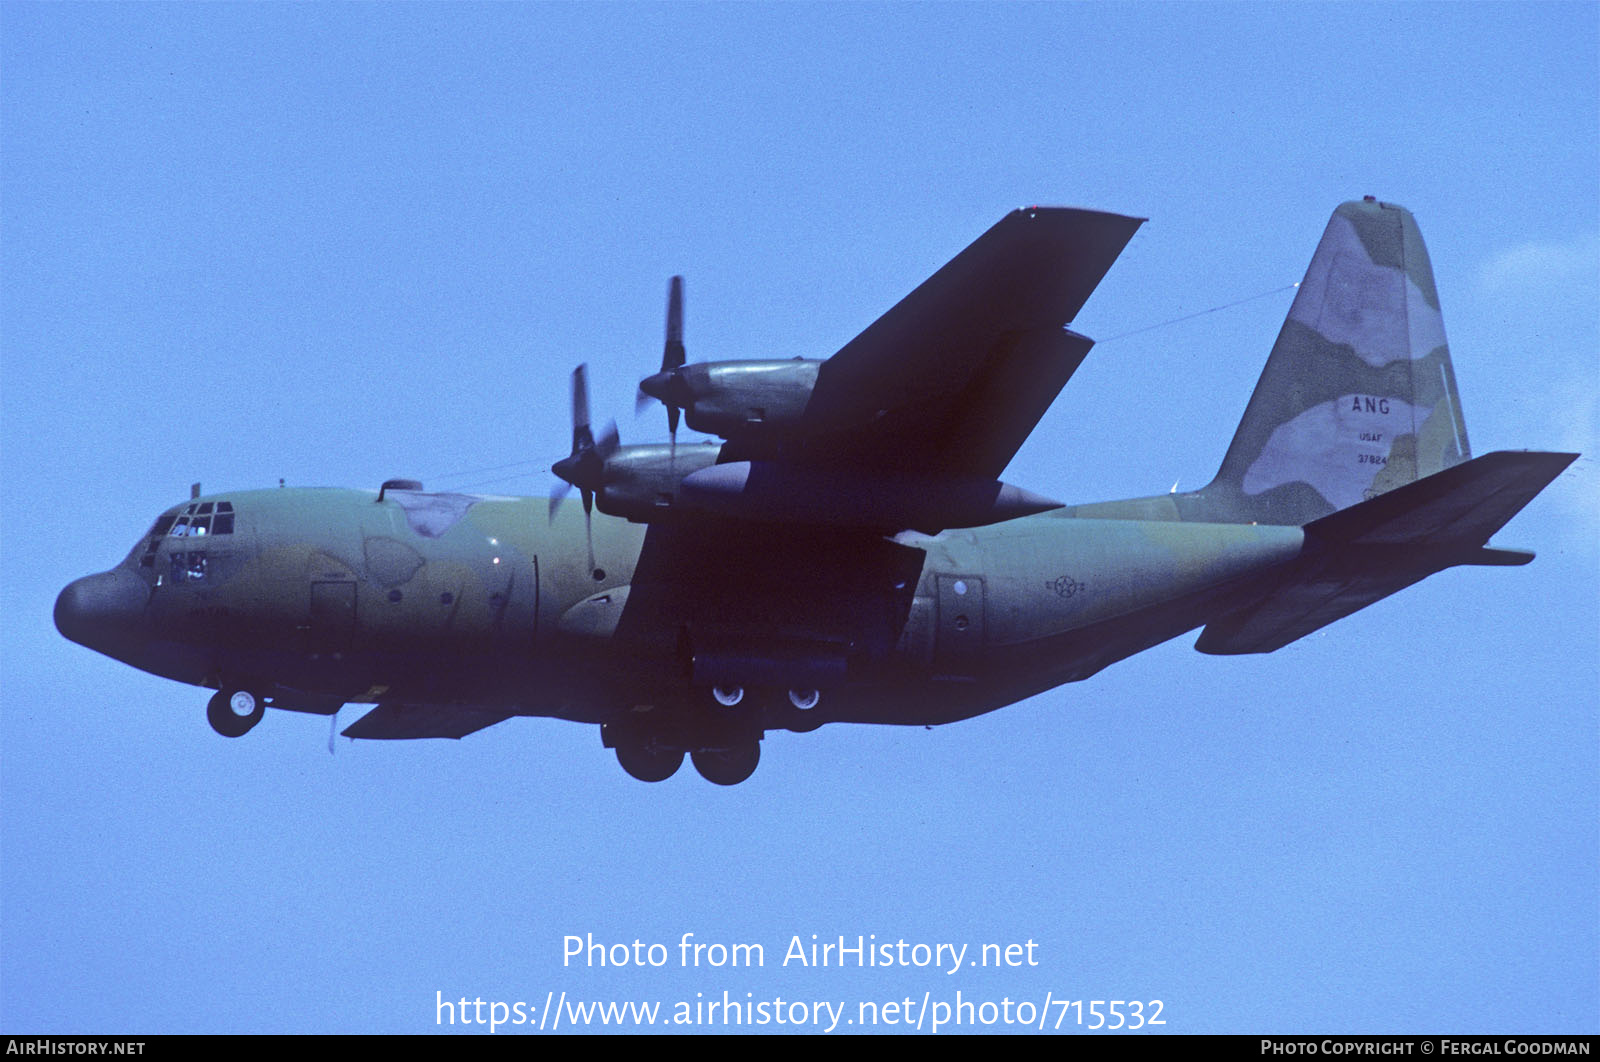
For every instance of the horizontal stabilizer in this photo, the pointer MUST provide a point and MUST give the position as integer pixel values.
(394, 722)
(1463, 504)
(1363, 554)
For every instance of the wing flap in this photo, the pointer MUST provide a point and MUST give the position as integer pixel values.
(1001, 405)
(962, 368)
(708, 585)
(974, 431)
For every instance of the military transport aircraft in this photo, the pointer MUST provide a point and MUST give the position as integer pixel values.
(848, 552)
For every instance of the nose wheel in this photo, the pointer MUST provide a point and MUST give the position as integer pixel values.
(234, 713)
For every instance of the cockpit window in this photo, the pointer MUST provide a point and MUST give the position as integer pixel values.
(195, 520)
(203, 518)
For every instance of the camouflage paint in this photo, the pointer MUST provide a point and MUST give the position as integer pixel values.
(454, 611)
(1358, 395)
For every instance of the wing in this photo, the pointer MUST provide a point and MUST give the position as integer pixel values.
(746, 597)
(951, 380)
(791, 581)
(395, 722)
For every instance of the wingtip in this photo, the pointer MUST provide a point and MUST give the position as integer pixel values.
(1041, 213)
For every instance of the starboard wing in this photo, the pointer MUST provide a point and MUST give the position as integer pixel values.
(952, 379)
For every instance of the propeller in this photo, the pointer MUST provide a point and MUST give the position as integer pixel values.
(667, 386)
(585, 467)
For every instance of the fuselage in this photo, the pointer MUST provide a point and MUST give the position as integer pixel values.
(722, 590)
(322, 597)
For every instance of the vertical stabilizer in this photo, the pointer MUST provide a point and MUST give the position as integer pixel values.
(1358, 396)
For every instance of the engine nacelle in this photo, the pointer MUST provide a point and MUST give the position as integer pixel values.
(735, 398)
(640, 483)
(757, 490)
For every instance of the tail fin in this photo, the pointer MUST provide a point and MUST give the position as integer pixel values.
(1358, 396)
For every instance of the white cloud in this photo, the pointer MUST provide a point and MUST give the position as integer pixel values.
(1572, 411)
(1538, 263)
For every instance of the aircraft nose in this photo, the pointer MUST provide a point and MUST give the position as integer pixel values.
(99, 607)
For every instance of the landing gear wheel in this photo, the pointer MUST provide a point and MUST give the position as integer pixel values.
(727, 696)
(728, 766)
(234, 713)
(805, 700)
(649, 763)
(803, 717)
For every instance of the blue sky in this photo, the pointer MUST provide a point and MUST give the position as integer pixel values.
(340, 243)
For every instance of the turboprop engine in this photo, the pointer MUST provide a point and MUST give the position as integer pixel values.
(734, 398)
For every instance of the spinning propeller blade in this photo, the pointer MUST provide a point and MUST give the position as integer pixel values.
(585, 467)
(673, 356)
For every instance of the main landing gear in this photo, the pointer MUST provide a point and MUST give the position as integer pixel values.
(728, 766)
(793, 709)
(648, 761)
(730, 763)
(802, 716)
(235, 712)
(720, 729)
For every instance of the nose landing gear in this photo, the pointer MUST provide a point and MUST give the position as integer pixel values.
(234, 712)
